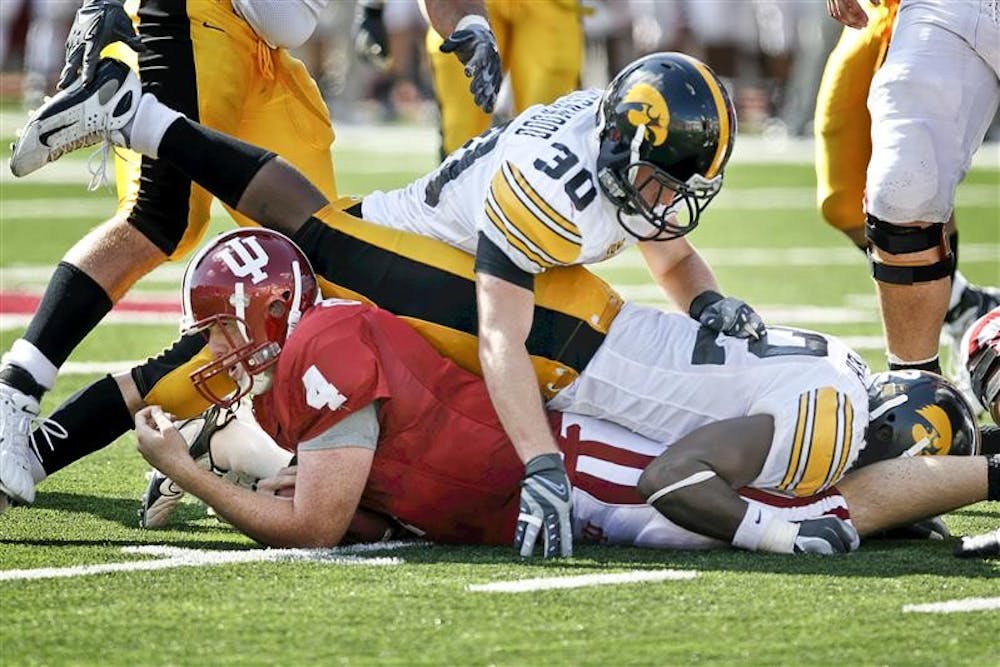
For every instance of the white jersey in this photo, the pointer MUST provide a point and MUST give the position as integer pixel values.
(283, 24)
(663, 375)
(530, 186)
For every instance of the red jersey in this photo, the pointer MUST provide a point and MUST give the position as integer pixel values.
(443, 462)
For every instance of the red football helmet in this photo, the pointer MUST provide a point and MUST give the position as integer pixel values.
(981, 356)
(258, 283)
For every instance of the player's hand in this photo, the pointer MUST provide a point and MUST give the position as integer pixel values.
(546, 508)
(281, 484)
(826, 535)
(371, 41)
(849, 12)
(476, 47)
(727, 315)
(159, 441)
(97, 24)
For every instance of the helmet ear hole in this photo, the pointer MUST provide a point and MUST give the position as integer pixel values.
(277, 309)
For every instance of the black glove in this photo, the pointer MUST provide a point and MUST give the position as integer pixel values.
(826, 535)
(546, 504)
(476, 47)
(928, 529)
(727, 314)
(97, 24)
(371, 42)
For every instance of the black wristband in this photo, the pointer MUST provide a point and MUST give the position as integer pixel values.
(932, 365)
(993, 477)
(703, 301)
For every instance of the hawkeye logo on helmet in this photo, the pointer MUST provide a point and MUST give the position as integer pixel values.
(245, 258)
(647, 108)
(936, 439)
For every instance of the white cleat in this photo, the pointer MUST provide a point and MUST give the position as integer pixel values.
(80, 116)
(159, 501)
(17, 410)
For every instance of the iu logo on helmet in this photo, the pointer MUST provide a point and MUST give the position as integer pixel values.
(647, 108)
(245, 259)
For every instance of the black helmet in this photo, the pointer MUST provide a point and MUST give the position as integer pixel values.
(668, 112)
(917, 412)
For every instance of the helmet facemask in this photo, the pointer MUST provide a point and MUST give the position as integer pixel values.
(632, 193)
(246, 361)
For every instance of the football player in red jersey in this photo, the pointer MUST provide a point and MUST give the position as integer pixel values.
(362, 399)
(981, 356)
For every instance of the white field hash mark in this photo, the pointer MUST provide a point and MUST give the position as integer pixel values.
(581, 581)
(168, 557)
(954, 606)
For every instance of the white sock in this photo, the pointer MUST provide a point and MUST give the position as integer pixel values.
(958, 285)
(27, 356)
(149, 124)
(245, 448)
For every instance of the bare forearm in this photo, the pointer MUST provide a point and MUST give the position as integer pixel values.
(689, 278)
(708, 507)
(444, 15)
(513, 389)
(268, 519)
(679, 270)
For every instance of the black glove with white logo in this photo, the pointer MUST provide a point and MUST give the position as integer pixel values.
(476, 47)
(97, 24)
(546, 508)
(826, 535)
(371, 41)
(727, 315)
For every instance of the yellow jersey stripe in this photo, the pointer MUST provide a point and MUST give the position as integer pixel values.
(515, 242)
(822, 444)
(521, 183)
(800, 425)
(845, 453)
(532, 228)
(725, 130)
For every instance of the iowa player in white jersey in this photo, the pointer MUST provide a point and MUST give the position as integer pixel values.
(800, 400)
(575, 182)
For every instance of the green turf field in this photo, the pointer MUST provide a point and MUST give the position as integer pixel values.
(75, 589)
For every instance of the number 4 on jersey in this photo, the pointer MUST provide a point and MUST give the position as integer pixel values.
(320, 392)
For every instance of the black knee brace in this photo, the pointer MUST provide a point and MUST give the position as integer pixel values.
(902, 240)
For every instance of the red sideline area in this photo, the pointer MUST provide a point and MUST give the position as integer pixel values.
(25, 303)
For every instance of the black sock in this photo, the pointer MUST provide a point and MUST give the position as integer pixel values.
(221, 164)
(993, 478)
(934, 366)
(93, 418)
(20, 379)
(991, 440)
(73, 304)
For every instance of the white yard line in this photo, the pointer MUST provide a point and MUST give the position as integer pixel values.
(581, 581)
(954, 606)
(167, 557)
